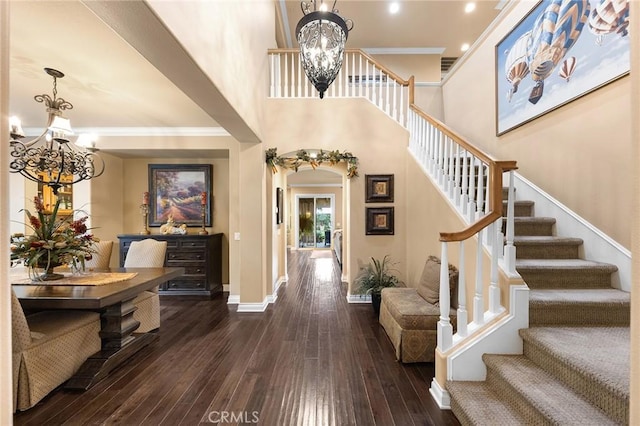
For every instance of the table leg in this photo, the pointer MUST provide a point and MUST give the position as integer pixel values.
(118, 344)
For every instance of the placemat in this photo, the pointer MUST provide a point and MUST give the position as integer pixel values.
(89, 278)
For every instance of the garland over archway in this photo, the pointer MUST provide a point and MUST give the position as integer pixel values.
(315, 159)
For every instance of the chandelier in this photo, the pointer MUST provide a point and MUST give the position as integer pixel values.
(50, 156)
(321, 35)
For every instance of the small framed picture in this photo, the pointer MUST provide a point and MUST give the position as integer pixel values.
(379, 188)
(379, 221)
(279, 206)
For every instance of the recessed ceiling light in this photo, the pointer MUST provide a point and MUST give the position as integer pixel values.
(394, 7)
(470, 7)
(464, 47)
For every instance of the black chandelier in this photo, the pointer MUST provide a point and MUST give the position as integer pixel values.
(50, 156)
(322, 35)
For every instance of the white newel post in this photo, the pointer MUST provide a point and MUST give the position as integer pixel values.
(509, 248)
(445, 330)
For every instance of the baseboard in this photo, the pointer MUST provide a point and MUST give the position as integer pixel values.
(598, 246)
(253, 307)
(233, 299)
(440, 396)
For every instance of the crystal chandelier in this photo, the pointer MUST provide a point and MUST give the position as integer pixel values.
(322, 35)
(50, 156)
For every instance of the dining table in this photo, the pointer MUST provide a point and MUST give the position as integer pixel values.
(110, 292)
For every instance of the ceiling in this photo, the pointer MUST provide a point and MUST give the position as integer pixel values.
(112, 86)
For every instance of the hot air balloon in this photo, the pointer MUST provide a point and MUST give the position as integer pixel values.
(554, 32)
(516, 66)
(609, 16)
(567, 68)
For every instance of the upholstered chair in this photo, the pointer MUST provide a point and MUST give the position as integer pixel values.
(147, 253)
(101, 258)
(48, 348)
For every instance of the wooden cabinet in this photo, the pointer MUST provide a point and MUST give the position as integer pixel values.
(65, 194)
(199, 255)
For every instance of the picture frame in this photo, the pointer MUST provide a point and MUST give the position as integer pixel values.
(379, 221)
(180, 190)
(532, 80)
(279, 206)
(379, 188)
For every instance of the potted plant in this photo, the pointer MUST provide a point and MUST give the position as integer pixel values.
(375, 276)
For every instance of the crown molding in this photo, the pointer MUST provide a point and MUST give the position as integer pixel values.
(404, 50)
(142, 131)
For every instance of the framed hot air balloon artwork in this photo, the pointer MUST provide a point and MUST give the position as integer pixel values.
(560, 51)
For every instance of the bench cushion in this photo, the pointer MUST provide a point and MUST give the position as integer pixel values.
(429, 285)
(410, 311)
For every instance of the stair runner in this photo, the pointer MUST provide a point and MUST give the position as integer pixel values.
(575, 365)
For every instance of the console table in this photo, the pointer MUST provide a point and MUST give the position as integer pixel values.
(199, 255)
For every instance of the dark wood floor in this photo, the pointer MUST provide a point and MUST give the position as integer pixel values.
(311, 359)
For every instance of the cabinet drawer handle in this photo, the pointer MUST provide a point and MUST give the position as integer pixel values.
(193, 244)
(172, 256)
(198, 270)
(173, 284)
(199, 256)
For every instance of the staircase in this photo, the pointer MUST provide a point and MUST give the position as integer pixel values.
(575, 365)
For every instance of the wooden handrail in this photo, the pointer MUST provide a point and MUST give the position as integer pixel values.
(496, 167)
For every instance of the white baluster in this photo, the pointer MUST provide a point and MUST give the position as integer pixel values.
(440, 170)
(445, 330)
(462, 313)
(494, 288)
(286, 76)
(465, 183)
(402, 106)
(472, 189)
(478, 300)
(388, 108)
(509, 248)
(499, 237)
(395, 100)
(358, 82)
(293, 80)
(480, 195)
(451, 172)
(380, 92)
(456, 178)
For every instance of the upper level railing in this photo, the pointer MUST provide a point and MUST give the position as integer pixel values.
(470, 178)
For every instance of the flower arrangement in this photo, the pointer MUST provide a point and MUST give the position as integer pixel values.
(54, 242)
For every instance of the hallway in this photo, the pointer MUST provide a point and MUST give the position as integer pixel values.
(311, 359)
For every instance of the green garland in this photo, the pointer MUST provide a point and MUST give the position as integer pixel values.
(303, 157)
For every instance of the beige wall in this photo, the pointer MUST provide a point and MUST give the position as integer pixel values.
(429, 99)
(425, 68)
(578, 153)
(378, 142)
(229, 46)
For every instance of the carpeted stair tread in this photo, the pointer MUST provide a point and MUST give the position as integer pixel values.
(474, 403)
(538, 394)
(597, 307)
(521, 208)
(593, 296)
(594, 361)
(531, 225)
(546, 247)
(565, 273)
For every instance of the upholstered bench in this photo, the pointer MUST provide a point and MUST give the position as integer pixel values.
(410, 315)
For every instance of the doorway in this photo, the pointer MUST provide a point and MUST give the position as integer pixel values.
(315, 220)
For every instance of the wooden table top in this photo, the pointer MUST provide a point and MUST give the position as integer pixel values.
(89, 297)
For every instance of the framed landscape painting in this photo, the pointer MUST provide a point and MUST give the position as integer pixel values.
(560, 51)
(180, 191)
